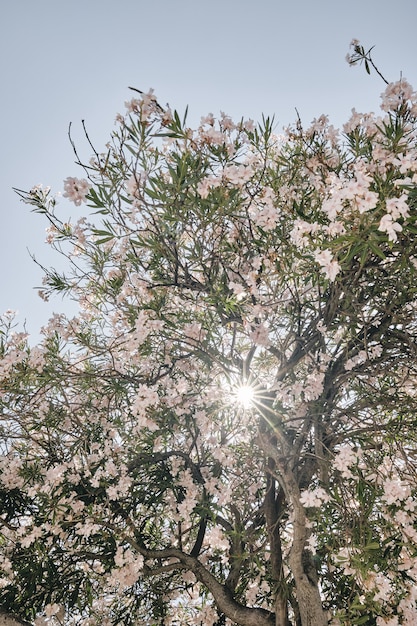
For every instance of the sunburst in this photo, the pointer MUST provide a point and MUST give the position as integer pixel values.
(244, 395)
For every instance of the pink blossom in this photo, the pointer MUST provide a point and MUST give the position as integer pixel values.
(216, 540)
(387, 621)
(389, 226)
(267, 218)
(314, 385)
(212, 136)
(226, 121)
(299, 232)
(345, 458)
(383, 587)
(406, 162)
(76, 189)
(260, 335)
(395, 491)
(354, 121)
(186, 507)
(31, 536)
(128, 567)
(343, 559)
(146, 396)
(314, 497)
(335, 228)
(132, 106)
(9, 476)
(329, 266)
(208, 119)
(143, 326)
(398, 207)
(367, 201)
(333, 205)
(238, 289)
(359, 358)
(249, 125)
(396, 94)
(51, 234)
(194, 331)
(132, 184)
(237, 174)
(205, 185)
(56, 610)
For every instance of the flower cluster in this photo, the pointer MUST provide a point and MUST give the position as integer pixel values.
(76, 189)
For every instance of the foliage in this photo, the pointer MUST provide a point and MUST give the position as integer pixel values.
(225, 433)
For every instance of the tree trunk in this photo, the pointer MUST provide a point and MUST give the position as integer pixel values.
(308, 597)
(300, 562)
(304, 571)
(281, 610)
(273, 510)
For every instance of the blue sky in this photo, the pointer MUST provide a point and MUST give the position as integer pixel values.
(65, 62)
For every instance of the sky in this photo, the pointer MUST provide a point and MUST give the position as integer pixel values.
(68, 61)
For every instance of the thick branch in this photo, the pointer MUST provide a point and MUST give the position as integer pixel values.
(156, 457)
(239, 614)
(305, 576)
(273, 510)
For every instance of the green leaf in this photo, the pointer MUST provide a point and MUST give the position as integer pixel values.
(376, 249)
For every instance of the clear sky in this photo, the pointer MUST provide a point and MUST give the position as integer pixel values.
(69, 61)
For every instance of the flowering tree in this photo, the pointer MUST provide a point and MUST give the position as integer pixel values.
(225, 433)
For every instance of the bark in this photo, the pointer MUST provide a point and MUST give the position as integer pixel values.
(300, 562)
(223, 597)
(308, 597)
(273, 510)
(281, 610)
(303, 569)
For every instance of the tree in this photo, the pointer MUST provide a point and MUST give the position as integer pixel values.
(225, 433)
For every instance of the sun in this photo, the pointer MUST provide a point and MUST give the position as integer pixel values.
(245, 395)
